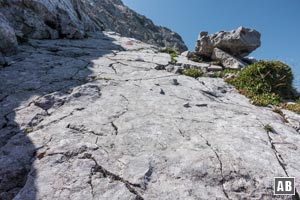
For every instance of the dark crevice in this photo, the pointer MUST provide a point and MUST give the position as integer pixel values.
(113, 68)
(82, 129)
(116, 131)
(181, 133)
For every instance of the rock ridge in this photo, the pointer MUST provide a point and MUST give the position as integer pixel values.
(74, 19)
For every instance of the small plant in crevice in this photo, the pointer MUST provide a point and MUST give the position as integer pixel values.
(27, 130)
(269, 128)
(195, 73)
(172, 52)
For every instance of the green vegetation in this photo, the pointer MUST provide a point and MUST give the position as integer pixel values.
(195, 73)
(265, 82)
(172, 52)
(269, 128)
(27, 130)
(292, 107)
(218, 74)
(230, 71)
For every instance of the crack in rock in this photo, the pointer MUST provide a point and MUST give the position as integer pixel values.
(107, 174)
(220, 163)
(118, 115)
(82, 129)
(147, 177)
(113, 68)
(278, 156)
(59, 119)
(116, 130)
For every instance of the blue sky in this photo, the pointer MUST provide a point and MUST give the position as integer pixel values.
(277, 20)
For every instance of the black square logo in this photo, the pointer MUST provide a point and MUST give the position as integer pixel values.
(284, 186)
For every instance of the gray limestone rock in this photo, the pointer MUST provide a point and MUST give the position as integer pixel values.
(84, 119)
(2, 60)
(239, 43)
(52, 19)
(227, 60)
(8, 40)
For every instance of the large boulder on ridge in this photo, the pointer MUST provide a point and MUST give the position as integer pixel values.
(239, 43)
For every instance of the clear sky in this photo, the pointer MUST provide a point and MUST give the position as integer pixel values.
(277, 20)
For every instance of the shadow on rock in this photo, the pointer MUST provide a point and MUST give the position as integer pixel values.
(32, 87)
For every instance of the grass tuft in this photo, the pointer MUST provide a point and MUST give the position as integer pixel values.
(269, 128)
(195, 73)
(172, 52)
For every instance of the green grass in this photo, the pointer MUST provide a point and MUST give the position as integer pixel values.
(218, 74)
(265, 82)
(292, 107)
(172, 52)
(269, 128)
(231, 71)
(195, 73)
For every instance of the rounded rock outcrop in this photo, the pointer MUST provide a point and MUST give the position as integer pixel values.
(239, 43)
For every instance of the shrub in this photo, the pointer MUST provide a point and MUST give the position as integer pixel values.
(195, 73)
(265, 99)
(265, 82)
(230, 71)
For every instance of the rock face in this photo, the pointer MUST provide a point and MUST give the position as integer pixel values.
(94, 119)
(227, 60)
(53, 19)
(8, 41)
(239, 43)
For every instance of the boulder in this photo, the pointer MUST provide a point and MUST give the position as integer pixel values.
(239, 43)
(227, 60)
(8, 40)
(187, 54)
(215, 68)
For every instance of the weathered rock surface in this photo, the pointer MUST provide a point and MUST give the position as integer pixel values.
(227, 60)
(85, 119)
(239, 43)
(73, 19)
(8, 40)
